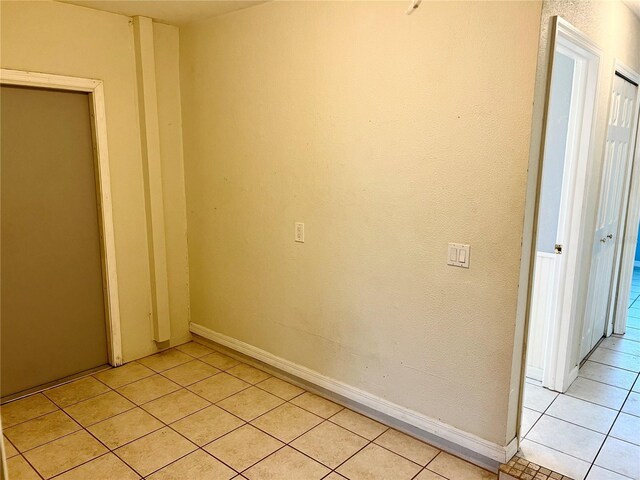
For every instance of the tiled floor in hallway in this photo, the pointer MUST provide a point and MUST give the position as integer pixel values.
(593, 430)
(192, 413)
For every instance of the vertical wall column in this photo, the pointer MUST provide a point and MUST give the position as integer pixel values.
(150, 137)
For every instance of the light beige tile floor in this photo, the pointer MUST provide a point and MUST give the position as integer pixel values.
(191, 413)
(591, 431)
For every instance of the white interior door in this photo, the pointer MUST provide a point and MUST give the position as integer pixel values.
(608, 238)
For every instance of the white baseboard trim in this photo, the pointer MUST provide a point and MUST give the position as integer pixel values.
(442, 430)
(534, 373)
(573, 374)
(511, 449)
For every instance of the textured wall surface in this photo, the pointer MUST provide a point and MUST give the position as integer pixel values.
(62, 39)
(389, 136)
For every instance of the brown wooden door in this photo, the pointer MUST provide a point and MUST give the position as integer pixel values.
(52, 302)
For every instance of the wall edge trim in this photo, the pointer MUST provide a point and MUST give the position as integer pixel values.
(442, 430)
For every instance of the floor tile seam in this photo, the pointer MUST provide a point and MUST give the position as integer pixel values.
(5, 427)
(280, 440)
(589, 358)
(374, 443)
(356, 433)
(177, 419)
(57, 475)
(128, 409)
(129, 383)
(257, 385)
(331, 469)
(609, 432)
(28, 463)
(79, 401)
(342, 407)
(162, 374)
(564, 453)
(605, 383)
(191, 355)
(542, 415)
(93, 398)
(609, 470)
(620, 351)
(129, 441)
(186, 455)
(250, 466)
(221, 408)
(51, 441)
(224, 398)
(369, 442)
(266, 412)
(430, 471)
(150, 433)
(244, 420)
(86, 461)
(68, 382)
(142, 379)
(577, 424)
(614, 366)
(621, 336)
(622, 439)
(592, 402)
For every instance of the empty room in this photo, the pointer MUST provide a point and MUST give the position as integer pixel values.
(298, 240)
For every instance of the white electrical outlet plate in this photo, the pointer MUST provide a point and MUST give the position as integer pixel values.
(299, 232)
(458, 255)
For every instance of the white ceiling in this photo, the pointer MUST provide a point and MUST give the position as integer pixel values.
(174, 12)
(634, 5)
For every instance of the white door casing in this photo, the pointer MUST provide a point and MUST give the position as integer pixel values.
(559, 319)
(614, 188)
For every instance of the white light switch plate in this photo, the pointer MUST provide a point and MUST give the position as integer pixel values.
(458, 255)
(299, 233)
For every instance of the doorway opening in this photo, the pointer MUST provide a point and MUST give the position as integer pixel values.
(60, 302)
(580, 412)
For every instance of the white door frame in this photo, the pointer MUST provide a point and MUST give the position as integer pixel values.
(631, 219)
(95, 90)
(559, 369)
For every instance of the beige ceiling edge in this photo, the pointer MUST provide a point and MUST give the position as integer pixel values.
(179, 13)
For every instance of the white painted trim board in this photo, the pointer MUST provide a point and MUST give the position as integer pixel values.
(448, 433)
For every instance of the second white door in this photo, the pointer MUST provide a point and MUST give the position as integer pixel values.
(613, 190)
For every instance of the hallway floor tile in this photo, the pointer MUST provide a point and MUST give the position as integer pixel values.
(592, 431)
(194, 413)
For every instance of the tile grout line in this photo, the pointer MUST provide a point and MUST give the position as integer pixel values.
(30, 464)
(619, 410)
(610, 429)
(198, 447)
(241, 419)
(324, 420)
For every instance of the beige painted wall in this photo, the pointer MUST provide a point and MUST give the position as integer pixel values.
(389, 136)
(616, 30)
(63, 39)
